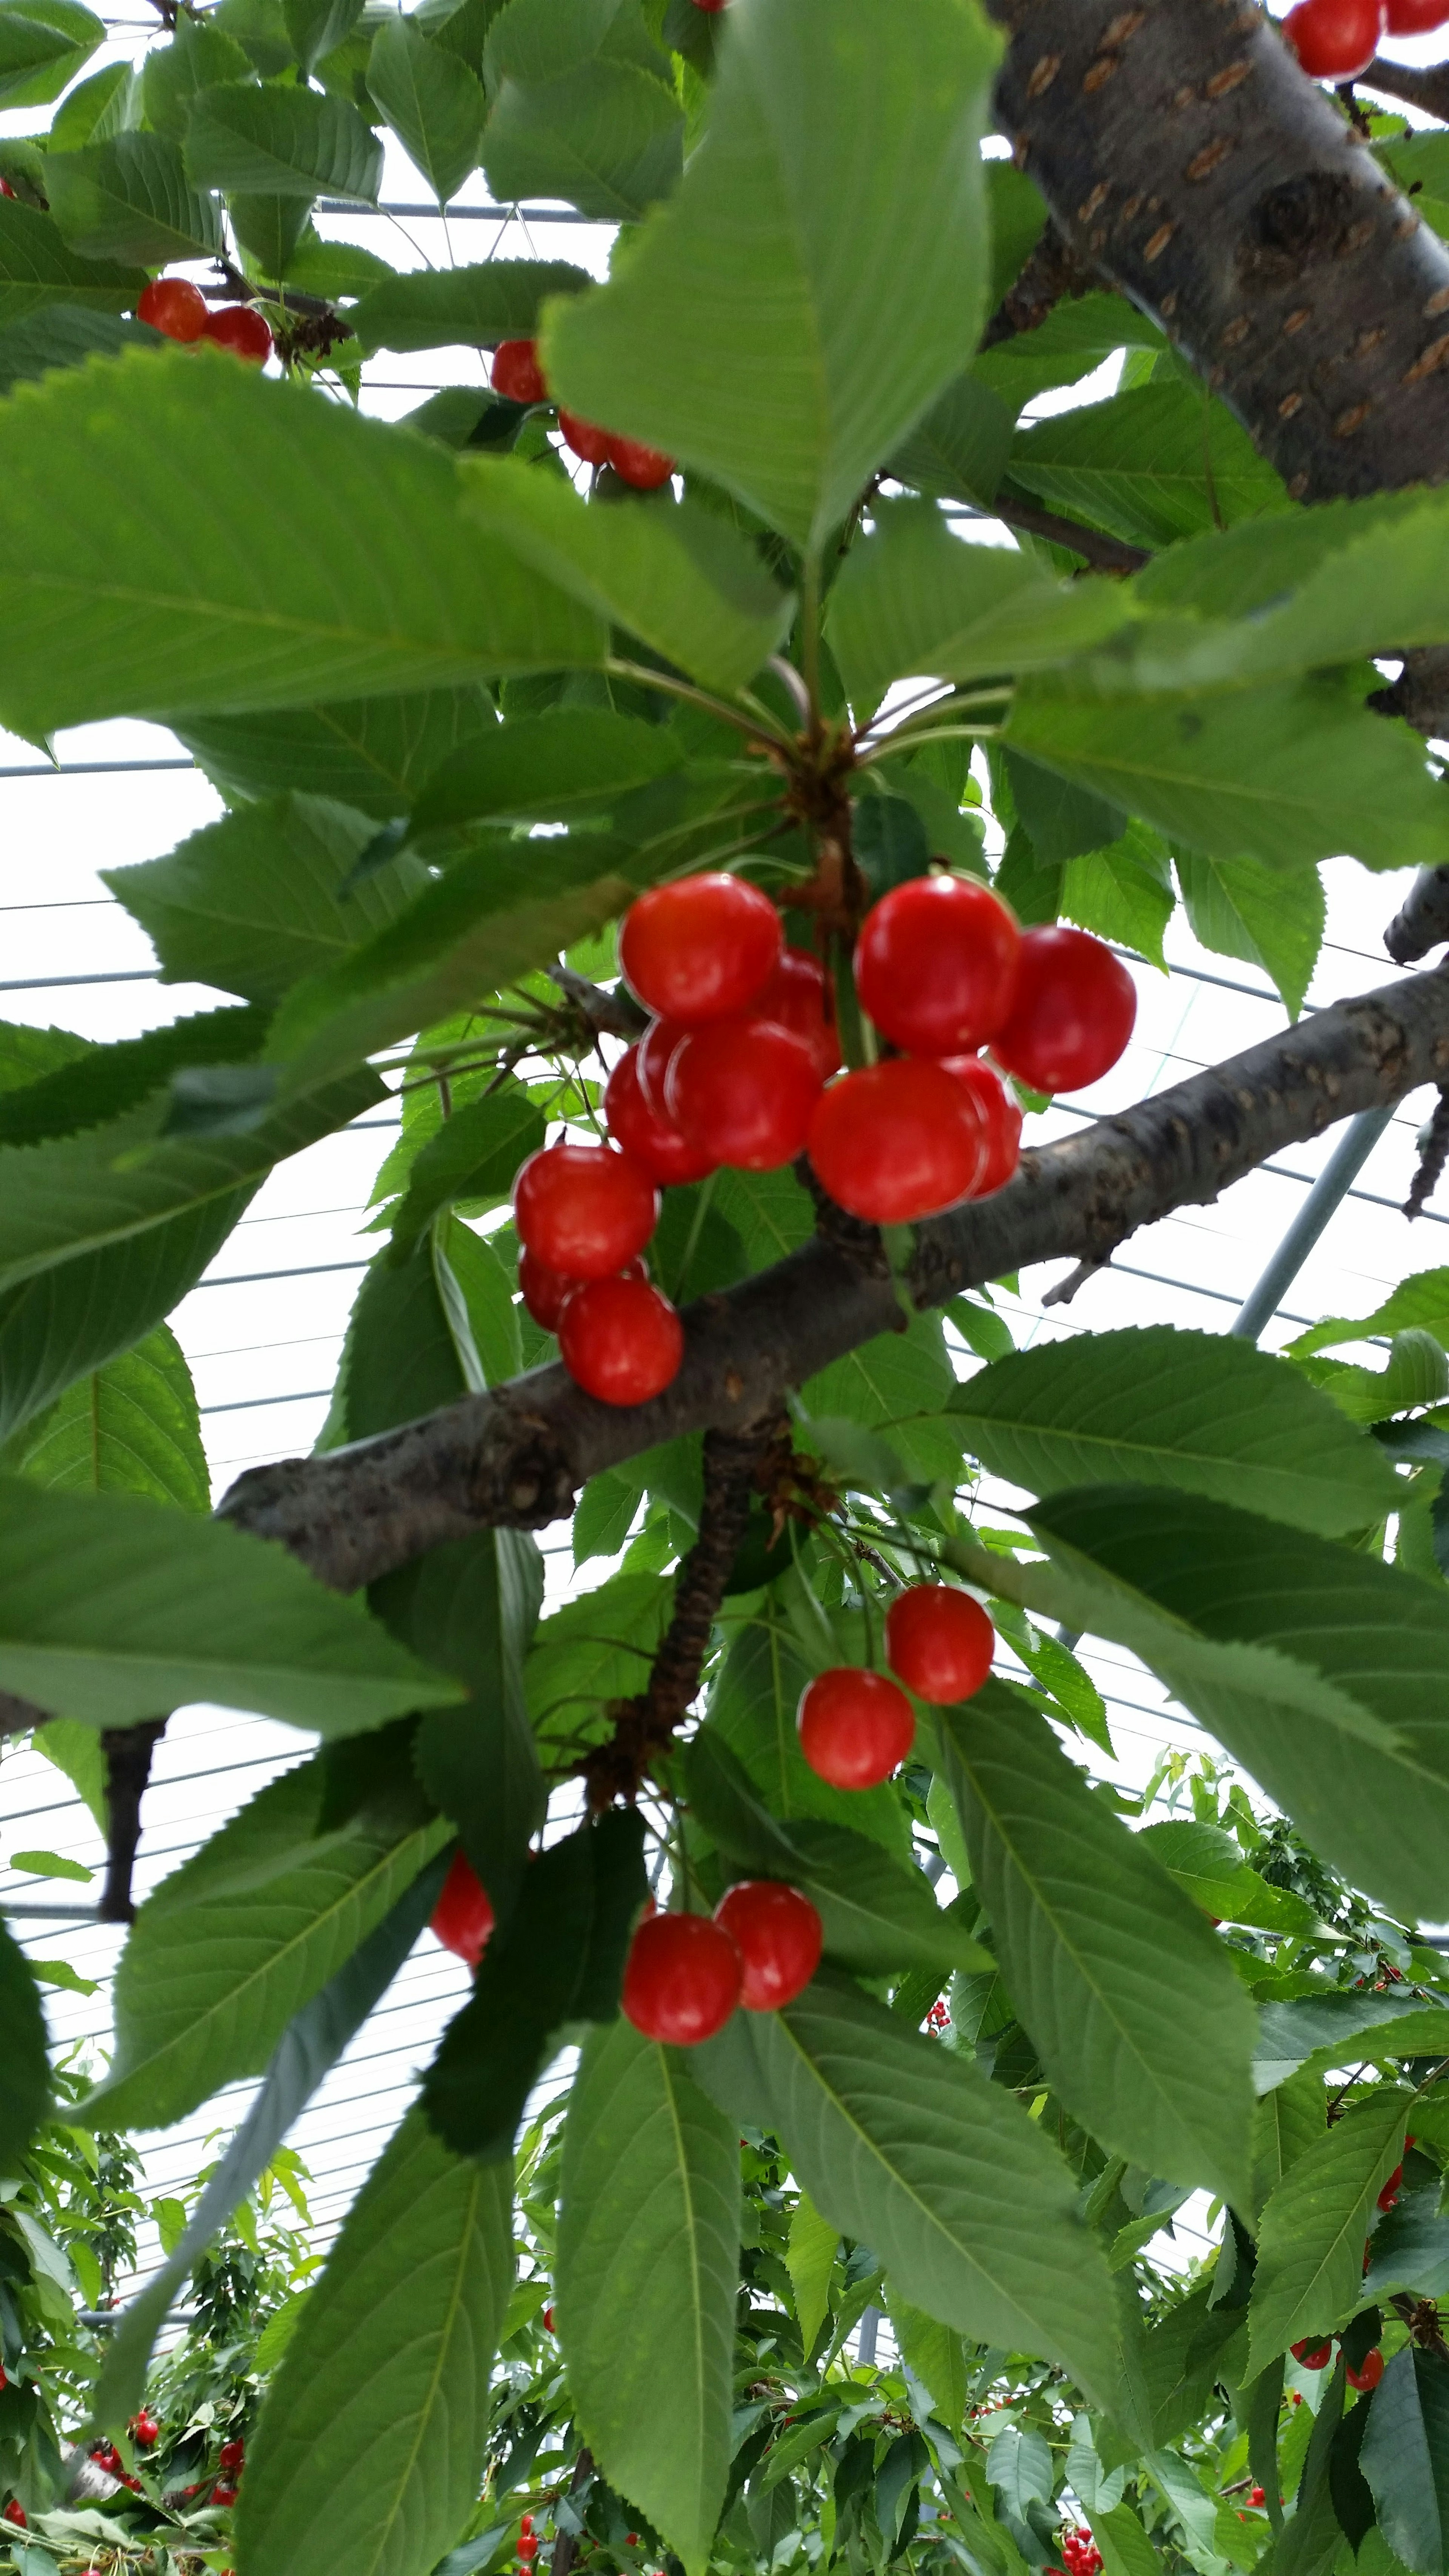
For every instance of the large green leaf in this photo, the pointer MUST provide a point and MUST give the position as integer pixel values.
(607, 136)
(472, 1604)
(371, 753)
(568, 762)
(753, 1700)
(238, 1939)
(432, 101)
(1309, 2278)
(906, 2146)
(1196, 1410)
(130, 1427)
(33, 70)
(199, 56)
(1133, 2007)
(130, 199)
(1240, 909)
(65, 335)
(1296, 2030)
(1420, 1303)
(475, 1154)
(830, 243)
(252, 600)
(648, 2267)
(281, 143)
(1150, 466)
(253, 903)
(112, 1607)
(1071, 342)
(38, 268)
(959, 451)
(441, 308)
(1405, 2459)
(381, 2467)
(27, 2066)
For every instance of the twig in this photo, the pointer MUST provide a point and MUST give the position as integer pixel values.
(615, 1014)
(566, 2543)
(1422, 920)
(1053, 270)
(1104, 554)
(127, 1752)
(1428, 90)
(1433, 1155)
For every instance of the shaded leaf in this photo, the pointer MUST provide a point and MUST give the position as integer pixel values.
(38, 268)
(469, 307)
(27, 2065)
(1405, 2458)
(370, 753)
(1309, 2279)
(281, 143)
(130, 1427)
(432, 101)
(130, 199)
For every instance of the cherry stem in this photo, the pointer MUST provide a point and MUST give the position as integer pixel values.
(669, 687)
(691, 1241)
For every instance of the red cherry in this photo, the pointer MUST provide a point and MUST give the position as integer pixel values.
(1369, 2372)
(1073, 1012)
(173, 305)
(1002, 1118)
(620, 1340)
(779, 1937)
(1313, 2356)
(898, 1141)
(462, 1920)
(657, 1050)
(1256, 2496)
(645, 467)
(584, 1209)
(799, 995)
(527, 2546)
(856, 1728)
(240, 328)
(548, 2325)
(7, 191)
(744, 1092)
(711, 5)
(15, 2512)
(590, 444)
(1415, 17)
(223, 2495)
(144, 2430)
(517, 375)
(934, 964)
(1390, 2192)
(232, 2455)
(939, 1641)
(700, 949)
(1335, 39)
(682, 1980)
(544, 1291)
(644, 1133)
(526, 2522)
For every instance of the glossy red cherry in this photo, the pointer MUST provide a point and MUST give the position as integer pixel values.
(657, 1050)
(800, 996)
(517, 375)
(1001, 1119)
(645, 467)
(548, 2324)
(242, 329)
(232, 2455)
(1073, 1012)
(856, 1727)
(645, 1133)
(144, 2430)
(173, 305)
(744, 1092)
(584, 1209)
(15, 2512)
(682, 1979)
(1369, 2372)
(700, 948)
(589, 443)
(463, 1921)
(939, 1641)
(224, 2494)
(1335, 39)
(620, 1340)
(1312, 2355)
(779, 1937)
(525, 2522)
(528, 2546)
(7, 191)
(1415, 17)
(544, 1291)
(898, 1141)
(934, 964)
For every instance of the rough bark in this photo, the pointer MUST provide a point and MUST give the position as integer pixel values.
(517, 1455)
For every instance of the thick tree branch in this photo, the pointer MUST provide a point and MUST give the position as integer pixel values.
(1423, 920)
(517, 1456)
(1053, 270)
(1426, 89)
(127, 1751)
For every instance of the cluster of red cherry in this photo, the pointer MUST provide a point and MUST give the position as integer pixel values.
(1080, 2554)
(527, 2541)
(231, 2460)
(1313, 2355)
(1338, 39)
(180, 310)
(519, 378)
(107, 2457)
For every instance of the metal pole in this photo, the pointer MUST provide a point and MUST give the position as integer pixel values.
(1332, 1185)
(865, 2348)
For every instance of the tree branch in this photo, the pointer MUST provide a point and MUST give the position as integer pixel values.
(516, 1456)
(19, 1716)
(1428, 89)
(127, 1751)
(1103, 553)
(1423, 920)
(1052, 271)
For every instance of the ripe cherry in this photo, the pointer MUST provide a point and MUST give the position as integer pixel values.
(544, 1291)
(173, 305)
(144, 2430)
(1369, 2372)
(1415, 17)
(744, 1092)
(548, 2324)
(242, 329)
(527, 2546)
(223, 2494)
(1312, 2355)
(15, 2512)
(856, 1727)
(526, 2522)
(657, 1050)
(620, 1340)
(939, 1641)
(589, 443)
(1256, 2496)
(648, 1135)
(1335, 39)
(1002, 1120)
(682, 1979)
(799, 996)
(462, 1920)
(1073, 1012)
(898, 1141)
(7, 191)
(645, 467)
(232, 2455)
(584, 1209)
(934, 964)
(700, 949)
(1390, 2191)
(779, 1937)
(517, 375)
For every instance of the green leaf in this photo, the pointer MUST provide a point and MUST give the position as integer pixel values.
(1294, 2031)
(318, 27)
(596, 1648)
(1420, 1303)
(753, 1701)
(1208, 1867)
(1239, 909)
(560, 766)
(914, 601)
(557, 1959)
(607, 137)
(830, 243)
(108, 103)
(810, 2259)
(444, 308)
(112, 1608)
(681, 579)
(1151, 466)
(64, 335)
(1405, 2458)
(245, 604)
(1140, 2023)
(903, 2144)
(1195, 1410)
(382, 2468)
(1309, 2279)
(648, 2264)
(199, 56)
(255, 902)
(131, 1427)
(32, 70)
(38, 268)
(1122, 892)
(474, 1155)
(959, 451)
(27, 2066)
(269, 229)
(370, 753)
(281, 143)
(129, 199)
(1071, 342)
(937, 2357)
(432, 101)
(238, 1939)
(1288, 2121)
